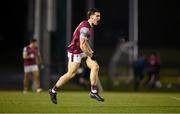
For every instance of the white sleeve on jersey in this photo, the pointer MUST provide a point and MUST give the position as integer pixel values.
(84, 32)
(24, 49)
(24, 52)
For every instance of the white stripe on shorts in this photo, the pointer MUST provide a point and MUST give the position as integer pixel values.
(76, 57)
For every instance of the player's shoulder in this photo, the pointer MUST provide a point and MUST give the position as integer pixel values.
(25, 48)
(84, 23)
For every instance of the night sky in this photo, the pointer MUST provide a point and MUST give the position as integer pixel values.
(158, 24)
(13, 21)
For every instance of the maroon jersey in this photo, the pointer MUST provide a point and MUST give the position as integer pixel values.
(83, 28)
(154, 60)
(33, 53)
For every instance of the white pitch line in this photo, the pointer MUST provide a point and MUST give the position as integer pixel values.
(176, 98)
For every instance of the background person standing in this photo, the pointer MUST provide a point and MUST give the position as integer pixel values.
(31, 56)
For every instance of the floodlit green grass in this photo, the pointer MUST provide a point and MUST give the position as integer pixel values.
(79, 102)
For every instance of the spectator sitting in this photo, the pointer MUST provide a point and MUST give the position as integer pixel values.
(138, 68)
(153, 70)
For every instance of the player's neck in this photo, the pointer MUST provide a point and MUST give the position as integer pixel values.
(90, 23)
(31, 46)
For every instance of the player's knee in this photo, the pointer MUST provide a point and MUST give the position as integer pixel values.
(36, 73)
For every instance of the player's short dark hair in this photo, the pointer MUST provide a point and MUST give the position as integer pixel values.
(91, 11)
(33, 40)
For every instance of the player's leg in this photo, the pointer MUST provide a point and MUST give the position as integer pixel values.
(26, 82)
(72, 69)
(26, 79)
(157, 79)
(36, 79)
(93, 65)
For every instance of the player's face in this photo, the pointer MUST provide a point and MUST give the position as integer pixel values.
(96, 18)
(34, 44)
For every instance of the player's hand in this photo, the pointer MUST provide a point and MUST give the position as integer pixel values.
(94, 56)
(41, 66)
(32, 56)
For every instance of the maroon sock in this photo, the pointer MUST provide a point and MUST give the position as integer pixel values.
(94, 89)
(55, 88)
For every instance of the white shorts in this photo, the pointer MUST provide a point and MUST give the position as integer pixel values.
(31, 68)
(76, 57)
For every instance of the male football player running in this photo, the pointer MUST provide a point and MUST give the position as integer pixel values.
(78, 49)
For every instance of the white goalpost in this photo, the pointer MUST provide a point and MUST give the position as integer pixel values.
(120, 67)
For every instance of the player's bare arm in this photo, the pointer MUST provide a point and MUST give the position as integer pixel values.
(39, 58)
(25, 54)
(84, 45)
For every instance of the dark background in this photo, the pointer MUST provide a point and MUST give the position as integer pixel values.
(158, 27)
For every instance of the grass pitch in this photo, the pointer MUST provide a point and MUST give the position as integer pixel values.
(79, 102)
